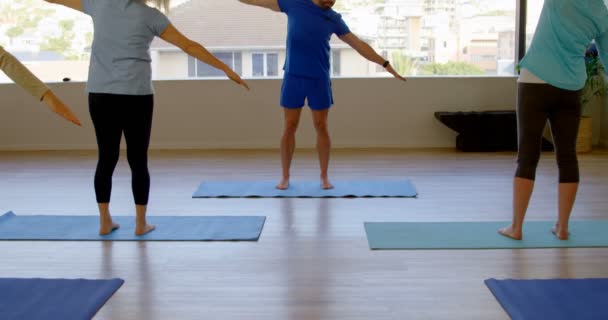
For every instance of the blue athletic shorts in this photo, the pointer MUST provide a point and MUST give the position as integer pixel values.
(297, 89)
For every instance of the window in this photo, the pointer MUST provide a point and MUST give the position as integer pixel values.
(335, 63)
(435, 37)
(533, 14)
(51, 40)
(419, 37)
(198, 69)
(265, 64)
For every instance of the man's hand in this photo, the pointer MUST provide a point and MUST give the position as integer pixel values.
(392, 71)
(235, 77)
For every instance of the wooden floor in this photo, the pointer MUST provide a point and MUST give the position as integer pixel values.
(312, 260)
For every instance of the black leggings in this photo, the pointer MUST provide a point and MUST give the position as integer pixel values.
(113, 114)
(535, 104)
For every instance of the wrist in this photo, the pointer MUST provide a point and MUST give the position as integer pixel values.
(385, 64)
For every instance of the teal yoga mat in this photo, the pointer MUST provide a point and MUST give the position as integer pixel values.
(481, 235)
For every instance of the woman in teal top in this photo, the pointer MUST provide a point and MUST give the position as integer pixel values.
(552, 76)
(121, 93)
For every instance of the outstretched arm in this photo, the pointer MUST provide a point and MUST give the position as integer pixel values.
(73, 4)
(173, 36)
(268, 4)
(368, 52)
(25, 79)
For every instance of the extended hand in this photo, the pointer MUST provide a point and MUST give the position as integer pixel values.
(57, 106)
(235, 77)
(394, 73)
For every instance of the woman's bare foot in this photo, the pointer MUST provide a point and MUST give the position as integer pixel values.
(141, 230)
(559, 233)
(510, 232)
(284, 184)
(107, 228)
(325, 184)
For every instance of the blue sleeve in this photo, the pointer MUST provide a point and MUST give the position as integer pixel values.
(602, 47)
(285, 5)
(87, 6)
(341, 27)
(158, 23)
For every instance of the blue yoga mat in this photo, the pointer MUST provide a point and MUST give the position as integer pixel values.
(203, 228)
(53, 299)
(481, 235)
(305, 189)
(555, 299)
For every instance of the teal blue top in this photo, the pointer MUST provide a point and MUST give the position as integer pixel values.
(565, 29)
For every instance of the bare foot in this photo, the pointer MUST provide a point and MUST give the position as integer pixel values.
(141, 230)
(107, 228)
(560, 234)
(509, 232)
(284, 184)
(325, 184)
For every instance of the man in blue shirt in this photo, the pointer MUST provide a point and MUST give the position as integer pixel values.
(310, 26)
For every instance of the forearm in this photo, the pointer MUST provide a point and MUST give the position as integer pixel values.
(366, 51)
(21, 75)
(199, 52)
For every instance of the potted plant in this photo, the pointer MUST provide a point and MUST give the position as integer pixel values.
(595, 88)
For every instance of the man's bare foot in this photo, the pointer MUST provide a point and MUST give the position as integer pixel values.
(560, 234)
(141, 230)
(325, 184)
(509, 232)
(284, 184)
(107, 228)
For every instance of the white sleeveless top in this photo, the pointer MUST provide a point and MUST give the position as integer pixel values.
(525, 76)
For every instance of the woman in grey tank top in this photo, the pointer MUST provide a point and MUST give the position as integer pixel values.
(121, 93)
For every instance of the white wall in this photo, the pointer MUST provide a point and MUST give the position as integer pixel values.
(379, 112)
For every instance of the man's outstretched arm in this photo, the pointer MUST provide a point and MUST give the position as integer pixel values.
(368, 53)
(268, 4)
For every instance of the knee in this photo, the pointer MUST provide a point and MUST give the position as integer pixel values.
(108, 160)
(526, 166)
(321, 126)
(567, 159)
(138, 161)
(290, 127)
(568, 168)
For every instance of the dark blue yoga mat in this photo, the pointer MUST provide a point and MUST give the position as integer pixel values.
(187, 228)
(54, 299)
(305, 189)
(555, 299)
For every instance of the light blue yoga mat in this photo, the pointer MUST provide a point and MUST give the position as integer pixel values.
(53, 299)
(190, 228)
(555, 299)
(305, 189)
(481, 235)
